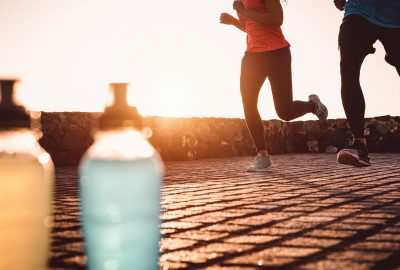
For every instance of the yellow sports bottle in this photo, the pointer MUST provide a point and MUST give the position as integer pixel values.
(26, 180)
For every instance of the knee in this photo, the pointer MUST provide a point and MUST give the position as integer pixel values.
(249, 102)
(250, 112)
(394, 61)
(350, 63)
(285, 115)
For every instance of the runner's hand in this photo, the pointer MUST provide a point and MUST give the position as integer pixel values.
(238, 6)
(339, 4)
(226, 18)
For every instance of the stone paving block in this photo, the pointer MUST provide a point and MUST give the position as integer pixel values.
(276, 230)
(258, 219)
(359, 255)
(252, 239)
(179, 225)
(225, 248)
(275, 256)
(189, 256)
(335, 265)
(311, 242)
(391, 246)
(200, 235)
(335, 234)
(387, 237)
(171, 243)
(225, 227)
(225, 267)
(173, 265)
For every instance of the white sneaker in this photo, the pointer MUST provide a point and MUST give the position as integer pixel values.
(320, 109)
(260, 164)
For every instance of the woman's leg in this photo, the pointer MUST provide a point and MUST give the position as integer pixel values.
(280, 78)
(252, 77)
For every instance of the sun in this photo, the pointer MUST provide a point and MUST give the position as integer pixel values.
(166, 96)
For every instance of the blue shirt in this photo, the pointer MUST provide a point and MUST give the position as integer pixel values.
(385, 13)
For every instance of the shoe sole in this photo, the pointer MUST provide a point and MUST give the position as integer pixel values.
(352, 160)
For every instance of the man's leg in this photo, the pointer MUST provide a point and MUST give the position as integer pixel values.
(352, 96)
(355, 43)
(356, 38)
(390, 38)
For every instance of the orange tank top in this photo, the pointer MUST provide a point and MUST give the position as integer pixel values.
(262, 38)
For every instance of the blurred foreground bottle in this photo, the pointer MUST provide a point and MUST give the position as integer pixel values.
(120, 181)
(26, 181)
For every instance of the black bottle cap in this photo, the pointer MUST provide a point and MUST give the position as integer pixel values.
(11, 114)
(120, 114)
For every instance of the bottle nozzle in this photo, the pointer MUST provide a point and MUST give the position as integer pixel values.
(7, 92)
(120, 114)
(120, 91)
(11, 115)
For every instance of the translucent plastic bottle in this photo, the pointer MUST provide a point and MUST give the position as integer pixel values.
(120, 181)
(26, 180)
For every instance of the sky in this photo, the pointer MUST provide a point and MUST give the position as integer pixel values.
(179, 60)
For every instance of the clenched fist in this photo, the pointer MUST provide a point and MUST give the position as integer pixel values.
(339, 4)
(226, 18)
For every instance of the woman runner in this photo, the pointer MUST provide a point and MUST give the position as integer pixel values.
(267, 56)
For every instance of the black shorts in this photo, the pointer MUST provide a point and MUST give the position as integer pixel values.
(357, 37)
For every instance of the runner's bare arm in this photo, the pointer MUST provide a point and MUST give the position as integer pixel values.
(228, 19)
(271, 16)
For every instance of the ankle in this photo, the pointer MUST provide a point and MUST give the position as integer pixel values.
(361, 140)
(263, 152)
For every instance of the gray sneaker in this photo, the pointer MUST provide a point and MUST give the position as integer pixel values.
(320, 109)
(260, 164)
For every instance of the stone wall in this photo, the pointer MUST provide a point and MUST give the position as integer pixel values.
(66, 136)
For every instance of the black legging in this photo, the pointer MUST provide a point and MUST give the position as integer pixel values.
(356, 39)
(276, 65)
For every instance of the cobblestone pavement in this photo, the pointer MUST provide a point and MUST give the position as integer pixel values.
(306, 213)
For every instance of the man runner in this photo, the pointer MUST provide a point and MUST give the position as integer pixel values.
(365, 22)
